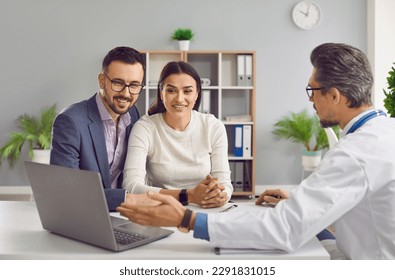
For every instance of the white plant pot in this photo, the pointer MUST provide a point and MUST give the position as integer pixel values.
(311, 159)
(41, 156)
(184, 45)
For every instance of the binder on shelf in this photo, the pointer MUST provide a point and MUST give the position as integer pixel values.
(205, 102)
(239, 176)
(238, 148)
(246, 140)
(241, 70)
(247, 185)
(248, 70)
(232, 172)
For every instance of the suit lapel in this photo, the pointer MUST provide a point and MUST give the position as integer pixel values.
(99, 144)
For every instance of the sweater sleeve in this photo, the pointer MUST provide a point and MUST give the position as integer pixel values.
(219, 155)
(135, 172)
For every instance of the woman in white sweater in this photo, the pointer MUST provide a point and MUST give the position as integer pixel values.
(176, 150)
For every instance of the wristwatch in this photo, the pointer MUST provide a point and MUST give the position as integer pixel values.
(183, 197)
(184, 227)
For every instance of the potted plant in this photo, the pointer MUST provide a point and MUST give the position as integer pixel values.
(36, 131)
(183, 36)
(389, 100)
(304, 129)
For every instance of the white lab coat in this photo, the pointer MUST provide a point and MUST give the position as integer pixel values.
(353, 187)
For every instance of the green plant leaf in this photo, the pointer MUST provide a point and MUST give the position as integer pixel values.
(35, 131)
(182, 34)
(389, 100)
(304, 129)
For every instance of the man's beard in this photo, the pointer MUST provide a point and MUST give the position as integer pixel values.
(325, 123)
(118, 110)
(113, 107)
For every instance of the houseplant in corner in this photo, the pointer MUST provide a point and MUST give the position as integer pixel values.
(35, 131)
(304, 129)
(183, 36)
(389, 100)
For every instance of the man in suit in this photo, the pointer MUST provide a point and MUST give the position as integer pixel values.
(93, 134)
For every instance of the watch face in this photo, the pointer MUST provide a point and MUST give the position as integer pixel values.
(306, 14)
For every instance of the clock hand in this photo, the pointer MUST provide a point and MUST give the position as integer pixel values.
(303, 13)
(308, 10)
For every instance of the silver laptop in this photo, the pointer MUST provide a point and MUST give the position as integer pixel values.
(71, 203)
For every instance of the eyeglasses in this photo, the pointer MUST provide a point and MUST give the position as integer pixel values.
(119, 86)
(310, 91)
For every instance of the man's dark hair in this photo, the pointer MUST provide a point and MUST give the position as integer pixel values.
(124, 54)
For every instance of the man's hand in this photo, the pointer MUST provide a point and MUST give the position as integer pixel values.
(156, 210)
(272, 196)
(140, 199)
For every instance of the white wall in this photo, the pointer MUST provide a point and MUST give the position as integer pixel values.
(381, 47)
(51, 51)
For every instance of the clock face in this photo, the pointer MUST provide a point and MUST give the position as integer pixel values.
(306, 14)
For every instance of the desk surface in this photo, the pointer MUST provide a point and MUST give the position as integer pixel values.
(22, 237)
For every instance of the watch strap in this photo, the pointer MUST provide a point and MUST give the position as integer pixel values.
(184, 226)
(183, 197)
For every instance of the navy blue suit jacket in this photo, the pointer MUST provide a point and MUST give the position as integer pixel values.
(78, 142)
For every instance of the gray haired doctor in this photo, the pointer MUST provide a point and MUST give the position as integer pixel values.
(353, 188)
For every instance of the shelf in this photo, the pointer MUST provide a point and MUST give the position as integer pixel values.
(232, 157)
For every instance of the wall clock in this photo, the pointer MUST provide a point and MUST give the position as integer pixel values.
(306, 14)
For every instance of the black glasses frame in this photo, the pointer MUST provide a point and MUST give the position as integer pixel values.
(125, 85)
(310, 91)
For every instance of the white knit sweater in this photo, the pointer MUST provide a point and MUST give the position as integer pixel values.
(160, 157)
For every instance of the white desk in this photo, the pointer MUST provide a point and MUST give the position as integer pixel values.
(22, 237)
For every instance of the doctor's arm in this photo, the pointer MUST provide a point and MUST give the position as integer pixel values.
(154, 209)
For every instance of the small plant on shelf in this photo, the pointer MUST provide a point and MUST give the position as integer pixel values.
(183, 34)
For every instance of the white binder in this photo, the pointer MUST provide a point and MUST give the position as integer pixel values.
(247, 140)
(241, 70)
(248, 70)
(205, 102)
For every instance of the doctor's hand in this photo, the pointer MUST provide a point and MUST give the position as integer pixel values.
(168, 211)
(272, 196)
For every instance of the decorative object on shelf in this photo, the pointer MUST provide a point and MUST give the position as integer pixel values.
(389, 100)
(36, 131)
(304, 129)
(306, 14)
(183, 36)
(205, 82)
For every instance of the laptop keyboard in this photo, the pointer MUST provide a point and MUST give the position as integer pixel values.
(127, 238)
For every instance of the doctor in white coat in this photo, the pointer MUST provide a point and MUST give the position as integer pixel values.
(353, 188)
